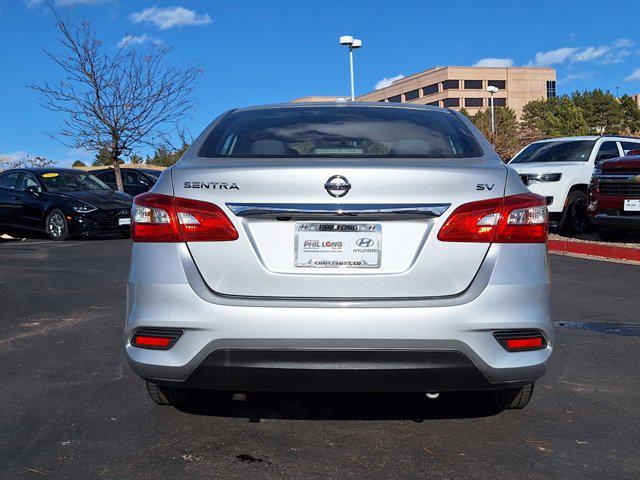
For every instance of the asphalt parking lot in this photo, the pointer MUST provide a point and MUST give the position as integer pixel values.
(71, 409)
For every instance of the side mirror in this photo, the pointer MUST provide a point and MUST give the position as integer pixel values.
(33, 190)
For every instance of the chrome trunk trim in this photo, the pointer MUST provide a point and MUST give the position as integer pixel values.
(320, 210)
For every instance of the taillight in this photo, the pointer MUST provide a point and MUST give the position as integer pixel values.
(512, 219)
(163, 218)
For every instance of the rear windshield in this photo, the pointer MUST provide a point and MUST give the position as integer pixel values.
(318, 132)
(71, 182)
(561, 151)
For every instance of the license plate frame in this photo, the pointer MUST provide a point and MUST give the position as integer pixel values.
(315, 245)
(632, 205)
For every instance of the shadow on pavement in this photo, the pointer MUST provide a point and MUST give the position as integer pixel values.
(340, 406)
(28, 236)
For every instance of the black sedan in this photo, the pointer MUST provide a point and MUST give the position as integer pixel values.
(134, 180)
(61, 202)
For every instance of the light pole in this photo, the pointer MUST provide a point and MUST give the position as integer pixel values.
(352, 43)
(492, 90)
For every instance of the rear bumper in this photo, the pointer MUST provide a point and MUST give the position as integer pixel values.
(620, 222)
(337, 371)
(405, 345)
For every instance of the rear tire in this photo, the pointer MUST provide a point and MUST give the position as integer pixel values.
(57, 226)
(511, 398)
(611, 235)
(164, 396)
(575, 219)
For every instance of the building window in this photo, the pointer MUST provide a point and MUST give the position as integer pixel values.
(412, 95)
(499, 102)
(395, 98)
(433, 104)
(430, 89)
(473, 102)
(551, 88)
(451, 102)
(501, 84)
(451, 84)
(473, 84)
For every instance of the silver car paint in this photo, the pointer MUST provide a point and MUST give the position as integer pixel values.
(431, 295)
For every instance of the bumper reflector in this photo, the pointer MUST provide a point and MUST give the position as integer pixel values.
(155, 339)
(520, 340)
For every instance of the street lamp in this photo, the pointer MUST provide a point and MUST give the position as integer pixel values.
(352, 43)
(492, 90)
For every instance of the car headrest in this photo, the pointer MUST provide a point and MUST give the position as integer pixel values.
(269, 147)
(411, 147)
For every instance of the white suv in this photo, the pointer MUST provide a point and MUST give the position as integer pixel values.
(560, 170)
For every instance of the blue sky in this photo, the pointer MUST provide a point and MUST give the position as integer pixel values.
(265, 51)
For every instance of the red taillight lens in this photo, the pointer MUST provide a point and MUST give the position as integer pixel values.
(520, 340)
(523, 343)
(163, 218)
(155, 338)
(152, 342)
(512, 219)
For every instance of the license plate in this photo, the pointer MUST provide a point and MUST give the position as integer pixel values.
(124, 221)
(632, 205)
(331, 245)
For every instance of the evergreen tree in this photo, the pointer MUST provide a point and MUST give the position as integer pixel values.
(78, 163)
(135, 159)
(166, 156)
(506, 140)
(104, 158)
(631, 115)
(602, 111)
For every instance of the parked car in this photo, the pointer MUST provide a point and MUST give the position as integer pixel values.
(135, 181)
(560, 170)
(61, 202)
(341, 247)
(614, 196)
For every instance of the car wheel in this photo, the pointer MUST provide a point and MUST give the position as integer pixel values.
(57, 225)
(611, 235)
(575, 219)
(175, 396)
(511, 398)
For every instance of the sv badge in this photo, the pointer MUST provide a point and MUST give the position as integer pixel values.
(485, 186)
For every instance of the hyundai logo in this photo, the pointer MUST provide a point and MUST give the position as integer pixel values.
(364, 242)
(337, 186)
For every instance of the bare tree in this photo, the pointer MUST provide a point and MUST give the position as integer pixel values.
(27, 160)
(118, 101)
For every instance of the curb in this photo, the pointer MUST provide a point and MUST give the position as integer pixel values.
(609, 252)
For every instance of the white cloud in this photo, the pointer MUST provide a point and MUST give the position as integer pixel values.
(386, 81)
(553, 57)
(170, 17)
(634, 77)
(564, 79)
(623, 43)
(591, 53)
(615, 52)
(494, 62)
(129, 40)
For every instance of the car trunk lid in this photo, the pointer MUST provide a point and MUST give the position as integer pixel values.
(277, 206)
